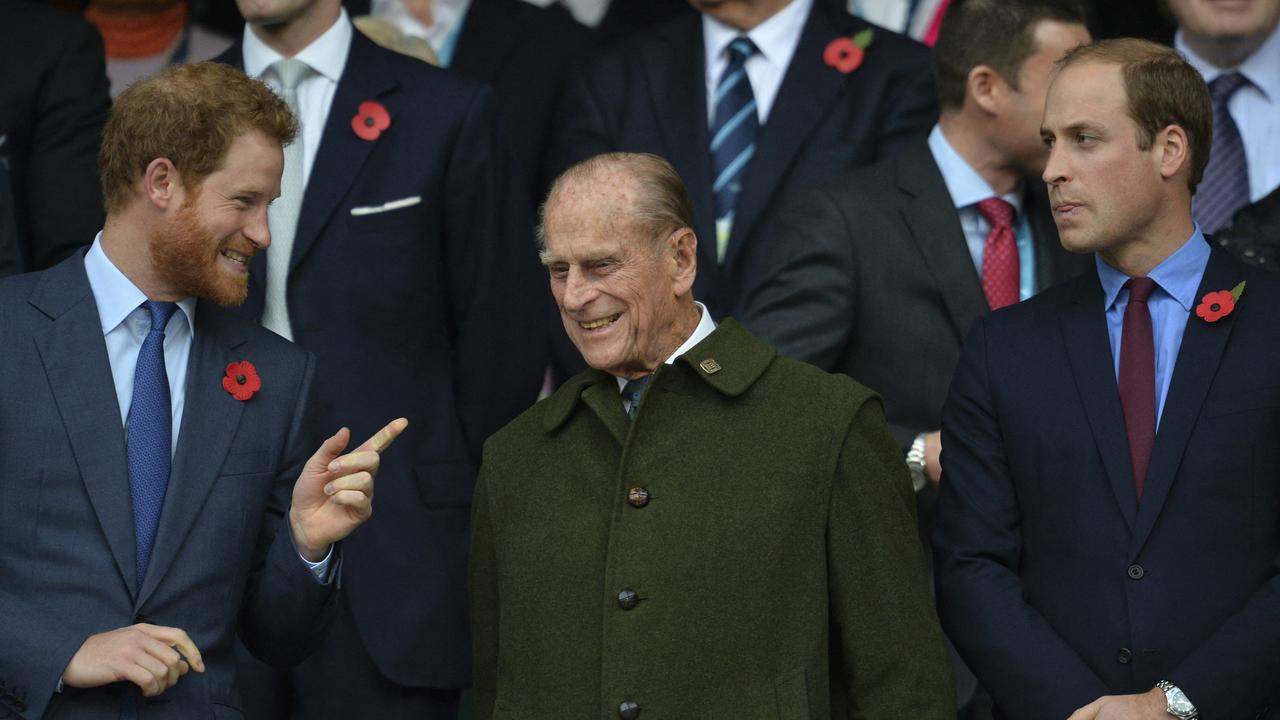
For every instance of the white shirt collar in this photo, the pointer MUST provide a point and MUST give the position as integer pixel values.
(115, 294)
(1262, 68)
(327, 55)
(705, 327)
(964, 184)
(776, 37)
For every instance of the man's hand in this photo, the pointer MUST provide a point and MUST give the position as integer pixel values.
(1150, 705)
(149, 656)
(932, 453)
(334, 493)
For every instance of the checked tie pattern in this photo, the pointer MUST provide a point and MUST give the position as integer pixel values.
(633, 391)
(1138, 378)
(734, 129)
(1000, 282)
(1225, 187)
(149, 443)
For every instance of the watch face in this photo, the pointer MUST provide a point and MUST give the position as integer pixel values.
(1179, 704)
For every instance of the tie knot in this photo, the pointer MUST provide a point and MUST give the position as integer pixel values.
(740, 49)
(997, 212)
(160, 313)
(1140, 289)
(634, 388)
(1226, 85)
(290, 71)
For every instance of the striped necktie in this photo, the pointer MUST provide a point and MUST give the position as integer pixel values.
(733, 136)
(1225, 188)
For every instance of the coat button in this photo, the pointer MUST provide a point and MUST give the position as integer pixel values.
(1136, 572)
(638, 497)
(628, 710)
(1125, 657)
(628, 599)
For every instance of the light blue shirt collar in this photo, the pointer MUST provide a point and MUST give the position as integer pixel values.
(115, 294)
(1178, 275)
(1262, 68)
(964, 184)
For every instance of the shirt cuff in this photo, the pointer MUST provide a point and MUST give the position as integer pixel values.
(320, 569)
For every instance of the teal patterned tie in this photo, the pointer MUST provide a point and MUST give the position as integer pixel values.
(633, 391)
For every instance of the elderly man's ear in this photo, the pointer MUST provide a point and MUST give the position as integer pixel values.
(683, 245)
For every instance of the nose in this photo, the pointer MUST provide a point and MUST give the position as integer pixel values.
(258, 229)
(579, 291)
(1055, 170)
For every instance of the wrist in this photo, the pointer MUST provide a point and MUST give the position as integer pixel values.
(1176, 703)
(302, 544)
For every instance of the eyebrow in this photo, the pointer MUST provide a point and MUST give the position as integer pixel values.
(1074, 127)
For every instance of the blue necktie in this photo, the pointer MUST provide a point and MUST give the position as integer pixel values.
(633, 391)
(733, 136)
(1225, 188)
(150, 435)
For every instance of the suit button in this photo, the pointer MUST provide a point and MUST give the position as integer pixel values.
(638, 497)
(1125, 657)
(628, 710)
(628, 599)
(1136, 572)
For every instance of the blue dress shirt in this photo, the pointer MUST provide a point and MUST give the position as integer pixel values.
(967, 189)
(1178, 278)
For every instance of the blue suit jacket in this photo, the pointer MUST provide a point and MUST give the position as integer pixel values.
(222, 555)
(649, 95)
(434, 312)
(1054, 582)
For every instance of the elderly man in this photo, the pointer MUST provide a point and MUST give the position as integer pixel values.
(1109, 513)
(694, 527)
(156, 492)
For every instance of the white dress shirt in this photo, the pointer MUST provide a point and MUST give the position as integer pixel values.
(705, 327)
(1255, 107)
(776, 38)
(327, 58)
(125, 324)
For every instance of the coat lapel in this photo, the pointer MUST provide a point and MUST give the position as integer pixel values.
(1193, 373)
(1084, 331)
(79, 374)
(341, 153)
(804, 99)
(935, 227)
(209, 422)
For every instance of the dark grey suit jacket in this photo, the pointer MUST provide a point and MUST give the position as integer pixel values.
(871, 276)
(223, 556)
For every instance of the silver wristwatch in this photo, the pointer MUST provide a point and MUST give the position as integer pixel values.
(1177, 703)
(915, 463)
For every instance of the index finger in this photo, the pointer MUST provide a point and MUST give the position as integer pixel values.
(384, 437)
(178, 640)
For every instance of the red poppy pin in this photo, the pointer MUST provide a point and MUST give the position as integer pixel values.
(241, 380)
(1218, 304)
(845, 53)
(370, 120)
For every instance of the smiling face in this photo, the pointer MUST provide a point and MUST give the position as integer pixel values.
(204, 247)
(623, 294)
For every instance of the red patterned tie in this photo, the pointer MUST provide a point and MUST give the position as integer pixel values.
(1138, 378)
(931, 34)
(999, 255)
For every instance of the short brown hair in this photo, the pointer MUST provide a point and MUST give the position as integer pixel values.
(1000, 34)
(662, 205)
(189, 114)
(1162, 90)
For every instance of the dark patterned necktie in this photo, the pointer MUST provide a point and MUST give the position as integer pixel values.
(1138, 378)
(150, 437)
(1225, 187)
(633, 391)
(999, 255)
(733, 133)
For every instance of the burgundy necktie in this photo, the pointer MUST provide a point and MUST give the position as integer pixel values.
(999, 254)
(1138, 378)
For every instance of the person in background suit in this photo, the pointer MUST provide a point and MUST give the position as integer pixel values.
(881, 273)
(1109, 513)
(143, 36)
(681, 88)
(697, 560)
(53, 104)
(1236, 48)
(402, 191)
(157, 491)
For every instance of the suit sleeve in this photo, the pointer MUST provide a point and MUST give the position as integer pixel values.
(484, 602)
(495, 285)
(60, 191)
(893, 657)
(1025, 665)
(285, 610)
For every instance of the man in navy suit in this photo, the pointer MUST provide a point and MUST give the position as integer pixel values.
(156, 490)
(817, 108)
(410, 229)
(1109, 518)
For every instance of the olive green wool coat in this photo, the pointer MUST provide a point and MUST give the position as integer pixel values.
(776, 561)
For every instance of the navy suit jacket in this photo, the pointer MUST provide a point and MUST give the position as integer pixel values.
(649, 95)
(434, 312)
(223, 555)
(1054, 582)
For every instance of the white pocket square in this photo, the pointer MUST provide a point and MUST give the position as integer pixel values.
(387, 206)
